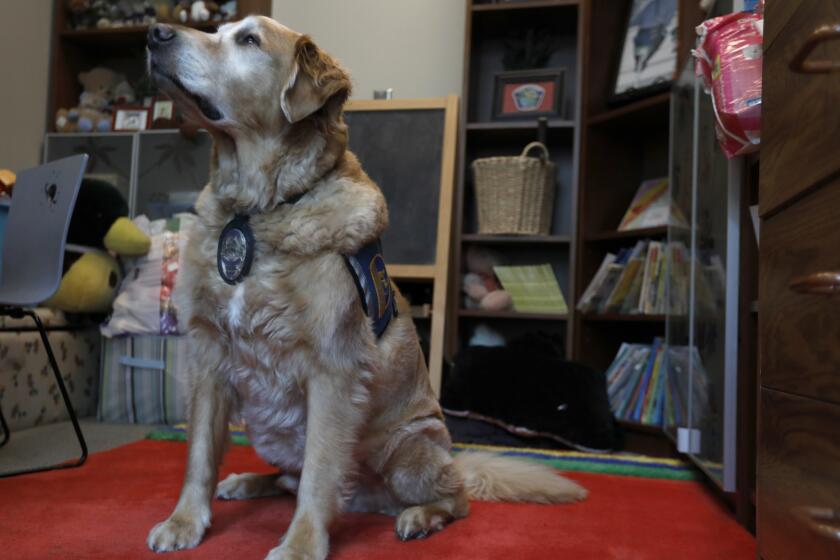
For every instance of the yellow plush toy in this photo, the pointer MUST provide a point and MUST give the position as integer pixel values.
(99, 230)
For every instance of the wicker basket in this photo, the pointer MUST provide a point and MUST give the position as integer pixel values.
(515, 194)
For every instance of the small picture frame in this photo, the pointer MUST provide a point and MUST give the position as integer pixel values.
(130, 118)
(163, 109)
(528, 94)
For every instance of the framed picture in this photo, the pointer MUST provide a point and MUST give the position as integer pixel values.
(131, 118)
(648, 59)
(163, 109)
(527, 94)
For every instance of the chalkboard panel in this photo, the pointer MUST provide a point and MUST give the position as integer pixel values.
(401, 150)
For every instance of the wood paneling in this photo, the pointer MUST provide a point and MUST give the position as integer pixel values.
(800, 333)
(802, 108)
(799, 454)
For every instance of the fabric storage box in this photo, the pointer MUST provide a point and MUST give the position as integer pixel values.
(143, 380)
(29, 394)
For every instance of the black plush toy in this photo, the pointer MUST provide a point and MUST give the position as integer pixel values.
(98, 228)
(542, 394)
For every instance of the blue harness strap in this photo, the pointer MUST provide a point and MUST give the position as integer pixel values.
(373, 284)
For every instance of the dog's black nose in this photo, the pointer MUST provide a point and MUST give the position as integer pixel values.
(160, 34)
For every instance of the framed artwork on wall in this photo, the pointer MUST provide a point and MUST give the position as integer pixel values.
(528, 94)
(648, 59)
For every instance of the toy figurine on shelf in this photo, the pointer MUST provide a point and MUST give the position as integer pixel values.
(101, 89)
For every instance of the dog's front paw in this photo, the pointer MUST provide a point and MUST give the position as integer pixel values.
(286, 553)
(178, 532)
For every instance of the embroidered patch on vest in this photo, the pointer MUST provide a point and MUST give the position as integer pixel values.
(373, 284)
(235, 251)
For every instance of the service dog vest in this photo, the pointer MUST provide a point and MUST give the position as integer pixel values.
(235, 253)
(367, 267)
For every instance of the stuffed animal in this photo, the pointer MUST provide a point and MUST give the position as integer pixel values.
(100, 225)
(227, 10)
(202, 10)
(480, 285)
(99, 88)
(182, 11)
(101, 13)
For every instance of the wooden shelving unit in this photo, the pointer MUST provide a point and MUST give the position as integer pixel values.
(631, 235)
(621, 145)
(621, 318)
(603, 152)
(484, 239)
(489, 7)
(119, 48)
(482, 314)
(488, 26)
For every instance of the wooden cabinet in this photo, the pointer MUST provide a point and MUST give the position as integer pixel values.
(798, 467)
(799, 477)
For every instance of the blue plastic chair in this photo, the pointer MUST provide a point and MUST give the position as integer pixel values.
(32, 258)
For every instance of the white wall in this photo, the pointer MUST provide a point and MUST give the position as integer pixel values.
(413, 46)
(24, 63)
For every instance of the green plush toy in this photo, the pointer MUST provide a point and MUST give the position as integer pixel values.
(99, 225)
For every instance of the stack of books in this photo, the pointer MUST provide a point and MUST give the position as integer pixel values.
(649, 384)
(635, 281)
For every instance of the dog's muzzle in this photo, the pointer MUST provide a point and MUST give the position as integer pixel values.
(161, 39)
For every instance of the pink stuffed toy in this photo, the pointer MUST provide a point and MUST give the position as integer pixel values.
(480, 285)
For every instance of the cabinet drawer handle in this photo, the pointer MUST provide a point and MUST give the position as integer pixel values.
(817, 283)
(823, 521)
(800, 62)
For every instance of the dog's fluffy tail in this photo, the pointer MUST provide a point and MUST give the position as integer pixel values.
(494, 478)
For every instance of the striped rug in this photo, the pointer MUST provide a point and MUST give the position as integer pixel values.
(625, 464)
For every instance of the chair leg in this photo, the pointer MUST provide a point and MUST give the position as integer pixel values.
(6, 433)
(71, 411)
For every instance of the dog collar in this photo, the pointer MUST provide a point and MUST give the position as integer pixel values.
(235, 251)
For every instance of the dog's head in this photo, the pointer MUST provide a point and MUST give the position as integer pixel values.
(252, 75)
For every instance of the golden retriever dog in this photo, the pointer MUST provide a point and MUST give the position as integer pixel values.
(347, 417)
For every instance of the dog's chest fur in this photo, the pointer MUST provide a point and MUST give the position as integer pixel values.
(275, 323)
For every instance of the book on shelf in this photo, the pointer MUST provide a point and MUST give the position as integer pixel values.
(654, 278)
(624, 283)
(585, 302)
(647, 296)
(652, 207)
(649, 384)
(533, 289)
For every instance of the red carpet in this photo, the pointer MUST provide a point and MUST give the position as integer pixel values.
(105, 509)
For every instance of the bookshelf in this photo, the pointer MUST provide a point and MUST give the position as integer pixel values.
(487, 26)
(602, 151)
(621, 145)
(120, 48)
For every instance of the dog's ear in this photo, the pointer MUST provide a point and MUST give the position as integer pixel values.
(315, 80)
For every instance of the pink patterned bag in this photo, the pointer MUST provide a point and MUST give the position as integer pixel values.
(729, 58)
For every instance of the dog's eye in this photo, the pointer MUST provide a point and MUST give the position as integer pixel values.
(249, 40)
